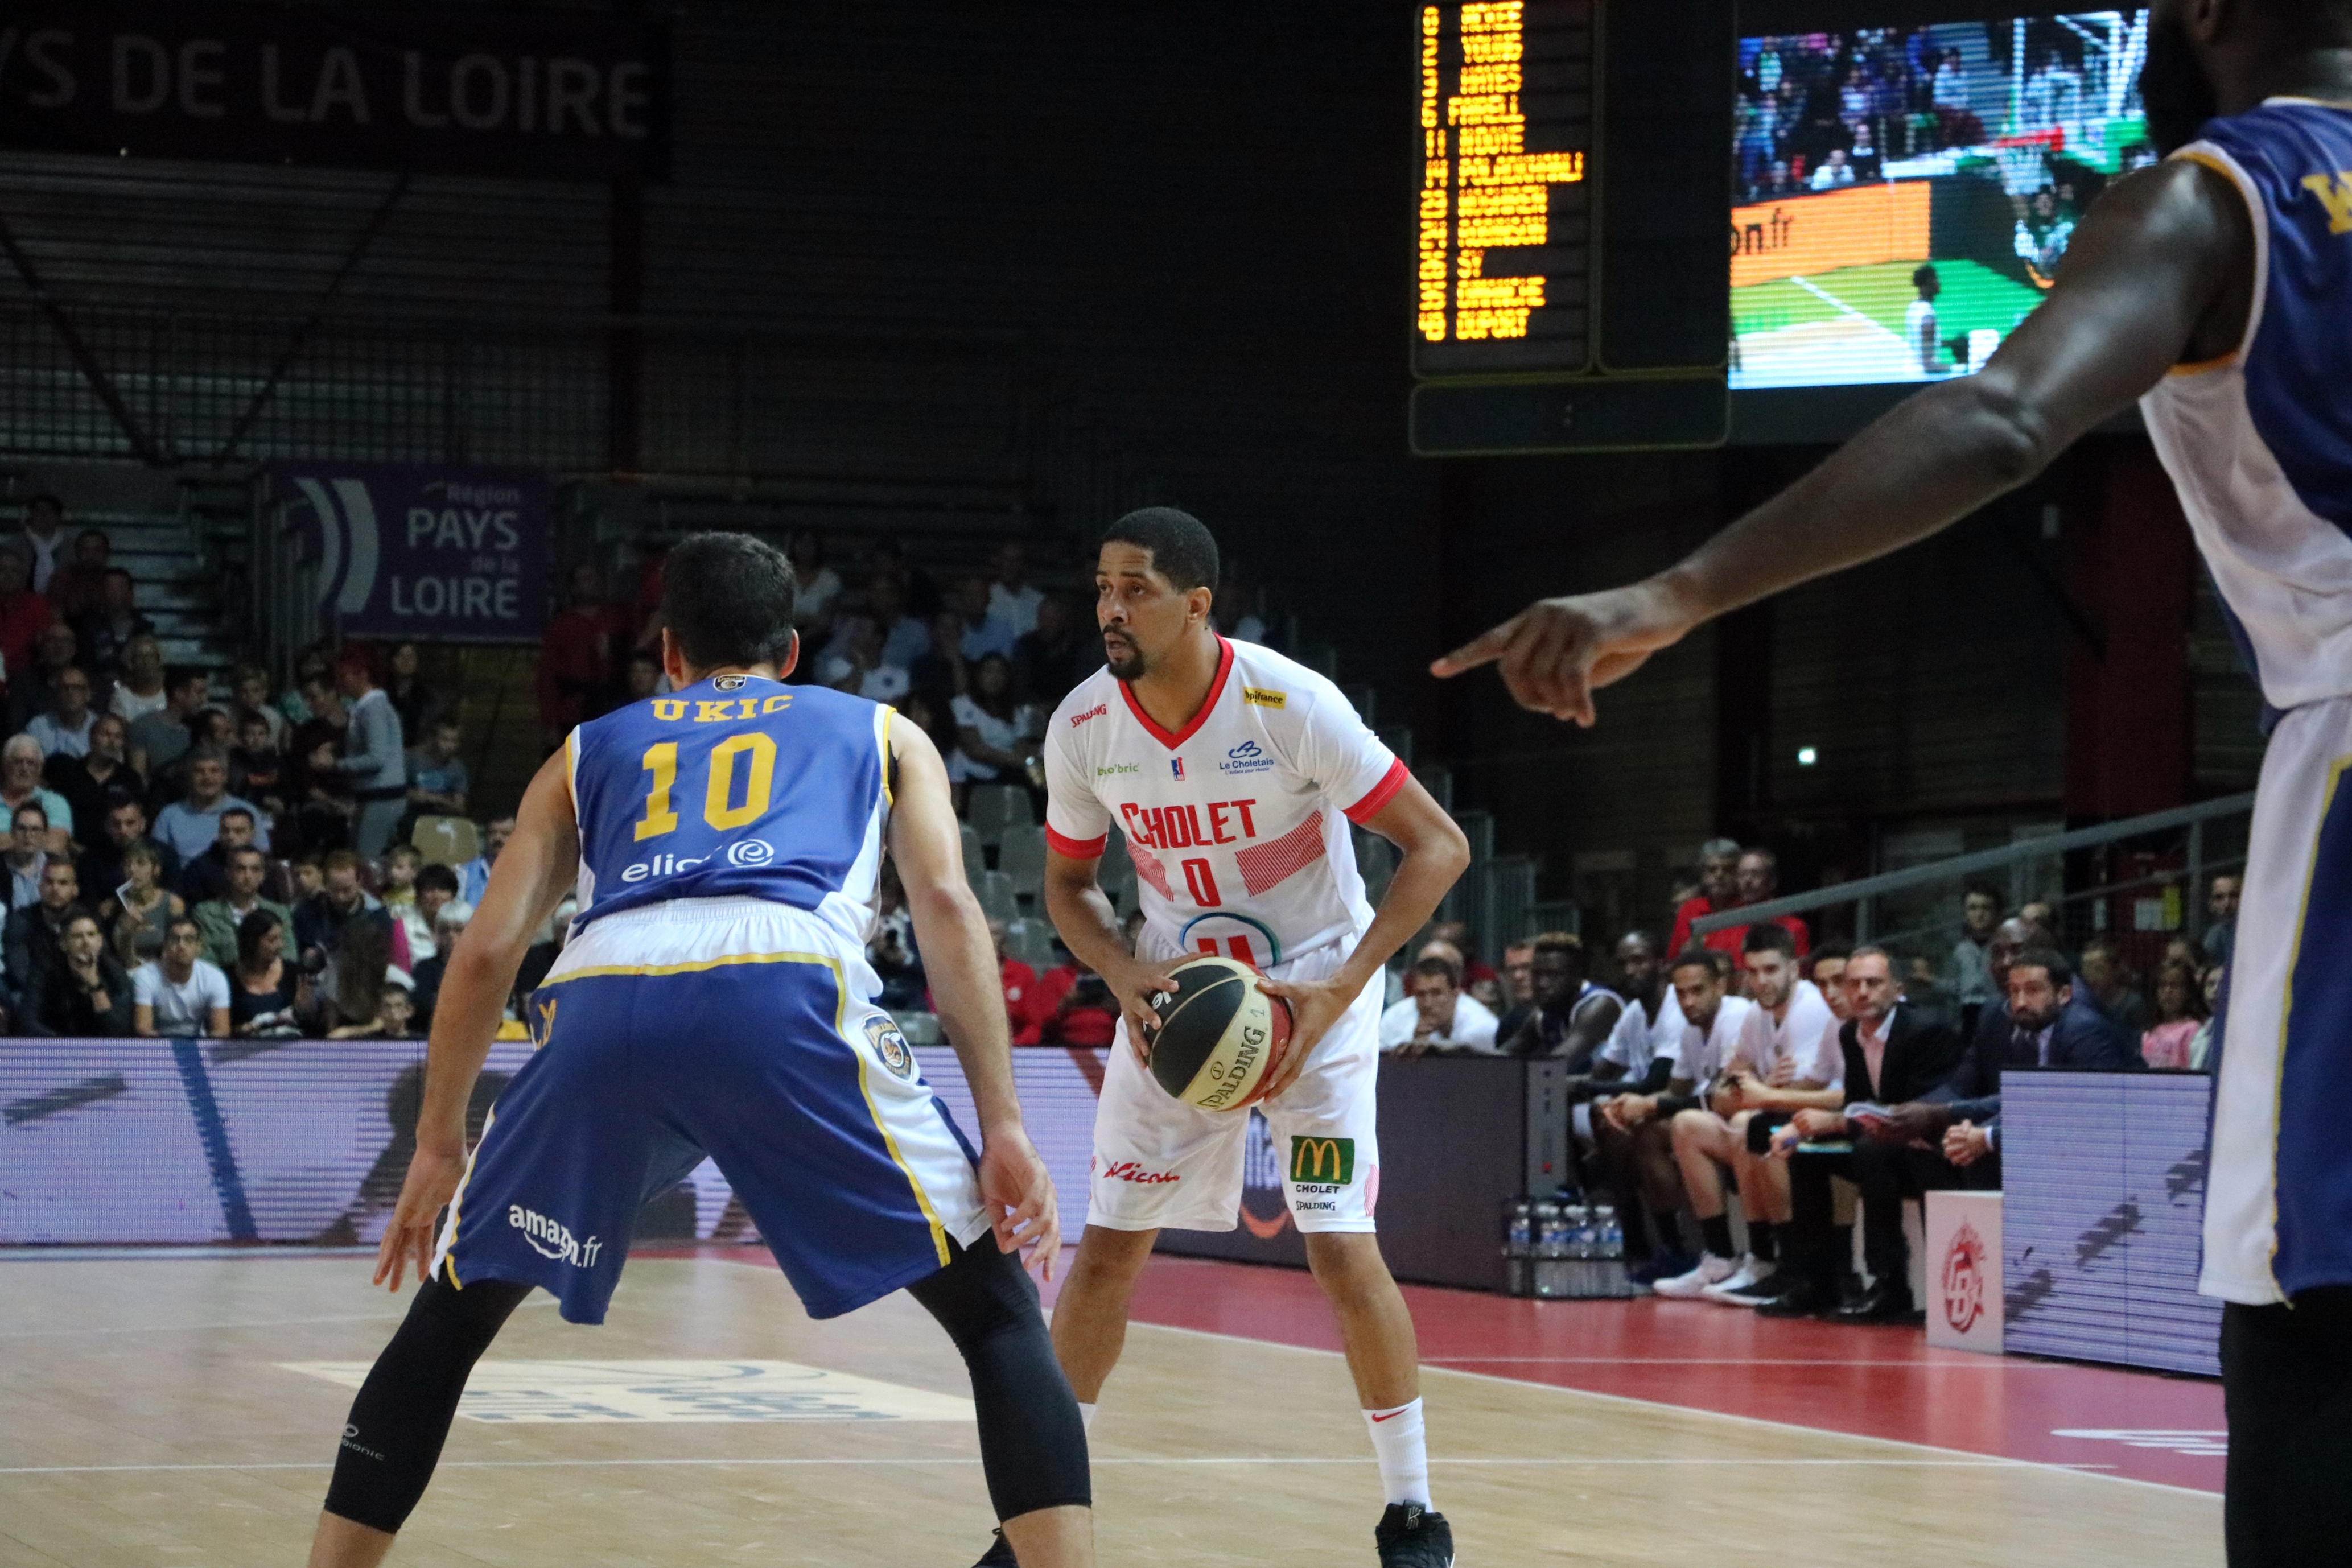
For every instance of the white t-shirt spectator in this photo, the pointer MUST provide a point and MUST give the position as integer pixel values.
(814, 596)
(992, 636)
(1473, 1028)
(1639, 1040)
(183, 1011)
(57, 739)
(882, 684)
(1003, 734)
(130, 707)
(1919, 334)
(1017, 608)
(1805, 1034)
(190, 832)
(1829, 175)
(907, 640)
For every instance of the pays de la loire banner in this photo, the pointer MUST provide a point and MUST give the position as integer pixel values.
(532, 94)
(419, 552)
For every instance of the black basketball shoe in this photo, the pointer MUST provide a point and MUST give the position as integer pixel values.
(1411, 1536)
(998, 1555)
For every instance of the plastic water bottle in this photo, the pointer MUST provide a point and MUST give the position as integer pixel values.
(1518, 1247)
(1551, 1245)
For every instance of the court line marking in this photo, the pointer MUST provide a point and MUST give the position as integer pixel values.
(1987, 1363)
(535, 1301)
(1564, 1461)
(1824, 295)
(1701, 1410)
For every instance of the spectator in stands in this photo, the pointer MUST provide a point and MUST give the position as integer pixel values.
(905, 638)
(103, 633)
(1054, 655)
(1020, 986)
(1572, 1015)
(1971, 976)
(2042, 912)
(984, 632)
(578, 657)
(920, 596)
(474, 876)
(63, 729)
(1785, 1060)
(373, 754)
(1756, 877)
(191, 824)
(995, 735)
(943, 671)
(1087, 1015)
(436, 890)
(249, 694)
(2180, 1012)
(80, 587)
(87, 993)
(346, 934)
(42, 541)
(29, 686)
(856, 665)
(24, 616)
(20, 785)
(892, 950)
(1519, 986)
(448, 926)
(160, 740)
(395, 1011)
(1718, 872)
(417, 704)
(267, 996)
(1011, 599)
(137, 915)
(817, 585)
(28, 833)
(1890, 1058)
(323, 805)
(123, 823)
(1235, 611)
(437, 779)
(1456, 934)
(396, 879)
(2221, 908)
(204, 876)
(643, 678)
(2200, 1044)
(1436, 1014)
(222, 917)
(140, 691)
(2112, 985)
(308, 876)
(178, 993)
(257, 769)
(34, 934)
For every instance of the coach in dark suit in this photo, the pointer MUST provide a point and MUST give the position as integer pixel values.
(2045, 1022)
(1893, 1056)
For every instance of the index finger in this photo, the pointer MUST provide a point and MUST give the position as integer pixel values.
(1482, 649)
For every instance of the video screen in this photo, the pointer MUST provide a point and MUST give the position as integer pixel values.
(1903, 195)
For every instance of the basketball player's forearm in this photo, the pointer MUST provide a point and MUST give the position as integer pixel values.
(1921, 467)
(1088, 925)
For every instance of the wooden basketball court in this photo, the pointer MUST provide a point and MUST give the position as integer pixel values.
(151, 1412)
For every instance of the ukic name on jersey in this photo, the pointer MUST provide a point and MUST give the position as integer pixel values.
(734, 786)
(1238, 823)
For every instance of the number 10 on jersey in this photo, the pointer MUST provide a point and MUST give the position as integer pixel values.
(718, 809)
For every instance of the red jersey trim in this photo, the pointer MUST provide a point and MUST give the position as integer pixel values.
(1365, 809)
(1075, 849)
(1171, 740)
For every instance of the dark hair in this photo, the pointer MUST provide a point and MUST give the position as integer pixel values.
(176, 921)
(728, 600)
(46, 499)
(251, 930)
(122, 572)
(1001, 705)
(77, 910)
(2049, 960)
(1769, 937)
(436, 875)
(1559, 942)
(1706, 959)
(35, 807)
(1433, 965)
(1182, 550)
(1839, 950)
(1925, 273)
(228, 811)
(178, 675)
(1975, 887)
(1647, 938)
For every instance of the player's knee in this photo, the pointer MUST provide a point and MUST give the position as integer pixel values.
(1689, 1128)
(981, 1293)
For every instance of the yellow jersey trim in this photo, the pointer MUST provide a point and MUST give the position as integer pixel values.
(882, 739)
(449, 1258)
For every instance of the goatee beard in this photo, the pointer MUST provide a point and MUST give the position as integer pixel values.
(1127, 666)
(2177, 95)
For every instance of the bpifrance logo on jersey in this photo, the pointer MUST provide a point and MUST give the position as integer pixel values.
(882, 1033)
(1176, 766)
(551, 1239)
(1249, 757)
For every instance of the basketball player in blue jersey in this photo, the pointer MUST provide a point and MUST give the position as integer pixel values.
(2216, 290)
(714, 998)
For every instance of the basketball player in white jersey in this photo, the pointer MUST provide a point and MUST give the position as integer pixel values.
(2214, 289)
(1235, 775)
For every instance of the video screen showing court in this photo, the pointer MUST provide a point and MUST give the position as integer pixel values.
(1903, 195)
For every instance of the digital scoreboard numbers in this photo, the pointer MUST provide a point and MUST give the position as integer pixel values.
(1503, 265)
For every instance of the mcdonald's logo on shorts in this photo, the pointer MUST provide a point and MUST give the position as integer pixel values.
(1326, 1161)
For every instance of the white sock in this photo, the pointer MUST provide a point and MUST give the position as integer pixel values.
(1086, 1415)
(1403, 1451)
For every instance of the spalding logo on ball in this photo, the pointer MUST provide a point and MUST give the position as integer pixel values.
(1218, 1033)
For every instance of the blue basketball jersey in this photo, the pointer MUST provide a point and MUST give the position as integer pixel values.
(2259, 443)
(736, 786)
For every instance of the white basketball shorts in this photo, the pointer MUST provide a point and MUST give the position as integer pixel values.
(1160, 1164)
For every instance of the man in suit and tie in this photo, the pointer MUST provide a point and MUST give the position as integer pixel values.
(1892, 1056)
(2046, 1022)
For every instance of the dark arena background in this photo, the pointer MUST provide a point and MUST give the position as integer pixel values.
(416, 336)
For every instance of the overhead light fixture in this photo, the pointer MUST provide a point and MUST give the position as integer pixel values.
(1806, 757)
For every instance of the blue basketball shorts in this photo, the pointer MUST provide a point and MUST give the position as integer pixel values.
(733, 1027)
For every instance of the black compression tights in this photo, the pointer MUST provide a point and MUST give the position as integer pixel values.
(394, 1436)
(1033, 1444)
